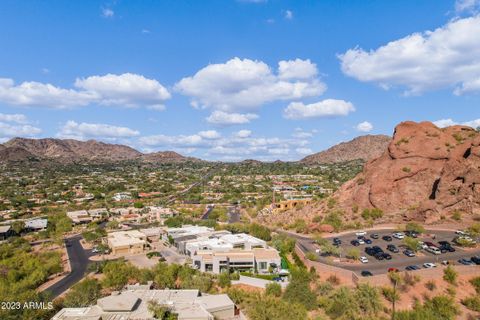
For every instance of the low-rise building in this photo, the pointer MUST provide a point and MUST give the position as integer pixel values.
(134, 305)
(127, 242)
(36, 224)
(6, 232)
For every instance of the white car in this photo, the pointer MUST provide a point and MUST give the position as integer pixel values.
(429, 265)
(363, 259)
(361, 241)
(360, 233)
(398, 235)
(461, 233)
(422, 245)
(433, 250)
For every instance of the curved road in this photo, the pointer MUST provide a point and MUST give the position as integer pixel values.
(78, 262)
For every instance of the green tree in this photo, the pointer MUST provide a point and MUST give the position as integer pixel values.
(224, 280)
(413, 226)
(83, 294)
(273, 289)
(298, 290)
(161, 312)
(411, 243)
(117, 273)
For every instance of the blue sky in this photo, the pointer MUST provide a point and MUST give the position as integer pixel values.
(229, 80)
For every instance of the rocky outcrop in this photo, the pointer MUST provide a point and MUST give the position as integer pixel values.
(425, 171)
(361, 148)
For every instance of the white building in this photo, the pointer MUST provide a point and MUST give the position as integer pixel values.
(133, 305)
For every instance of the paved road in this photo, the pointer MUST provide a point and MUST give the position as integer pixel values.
(78, 261)
(399, 260)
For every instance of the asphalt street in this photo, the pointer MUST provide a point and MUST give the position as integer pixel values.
(78, 261)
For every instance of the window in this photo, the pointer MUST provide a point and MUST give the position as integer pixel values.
(262, 265)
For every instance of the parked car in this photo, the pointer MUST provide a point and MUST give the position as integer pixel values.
(409, 253)
(360, 241)
(379, 256)
(363, 259)
(374, 236)
(366, 273)
(337, 241)
(360, 233)
(355, 243)
(398, 235)
(461, 233)
(445, 262)
(367, 241)
(392, 248)
(387, 238)
(95, 250)
(412, 267)
(466, 262)
(387, 256)
(433, 250)
(476, 259)
(446, 246)
(429, 265)
(411, 234)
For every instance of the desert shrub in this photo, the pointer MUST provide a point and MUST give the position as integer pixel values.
(450, 275)
(472, 303)
(430, 285)
(475, 282)
(273, 289)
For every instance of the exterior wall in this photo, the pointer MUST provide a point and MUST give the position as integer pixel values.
(224, 314)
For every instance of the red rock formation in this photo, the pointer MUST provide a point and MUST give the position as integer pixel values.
(425, 171)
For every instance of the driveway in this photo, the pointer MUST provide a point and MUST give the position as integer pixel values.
(78, 262)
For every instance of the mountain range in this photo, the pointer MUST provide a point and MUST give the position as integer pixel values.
(74, 151)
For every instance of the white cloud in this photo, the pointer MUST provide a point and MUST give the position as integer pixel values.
(467, 6)
(325, 108)
(209, 134)
(288, 15)
(17, 118)
(300, 133)
(16, 125)
(243, 134)
(279, 151)
(449, 122)
(224, 118)
(364, 126)
(244, 84)
(128, 90)
(107, 13)
(444, 58)
(297, 69)
(82, 131)
(145, 31)
(304, 151)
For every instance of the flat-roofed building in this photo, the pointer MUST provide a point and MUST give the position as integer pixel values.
(133, 305)
(127, 242)
(243, 241)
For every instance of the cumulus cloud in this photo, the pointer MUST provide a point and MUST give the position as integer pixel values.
(243, 133)
(364, 126)
(449, 122)
(129, 90)
(300, 133)
(304, 151)
(83, 131)
(242, 144)
(325, 108)
(467, 6)
(444, 58)
(244, 84)
(16, 125)
(209, 134)
(224, 119)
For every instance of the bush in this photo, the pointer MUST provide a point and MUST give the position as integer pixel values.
(450, 275)
(431, 285)
(311, 256)
(83, 294)
(224, 280)
(353, 253)
(390, 294)
(333, 279)
(476, 284)
(298, 290)
(472, 303)
(413, 226)
(373, 214)
(273, 289)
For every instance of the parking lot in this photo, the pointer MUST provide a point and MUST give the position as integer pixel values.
(399, 260)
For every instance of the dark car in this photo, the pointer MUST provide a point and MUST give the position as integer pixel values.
(387, 238)
(366, 273)
(337, 241)
(446, 246)
(355, 243)
(374, 236)
(392, 248)
(387, 256)
(411, 234)
(466, 262)
(476, 259)
(367, 241)
(369, 251)
(411, 268)
(379, 256)
(409, 253)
